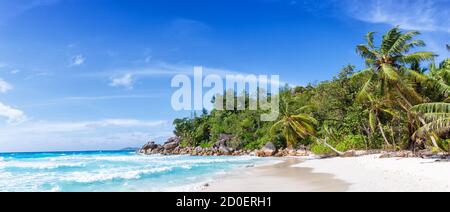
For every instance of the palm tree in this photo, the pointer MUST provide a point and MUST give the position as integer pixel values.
(295, 125)
(436, 118)
(440, 77)
(387, 72)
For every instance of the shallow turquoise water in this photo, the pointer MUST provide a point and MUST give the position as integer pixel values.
(111, 171)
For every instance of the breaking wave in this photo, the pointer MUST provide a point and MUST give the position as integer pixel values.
(111, 171)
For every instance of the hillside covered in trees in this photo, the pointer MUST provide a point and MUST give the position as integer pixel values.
(399, 101)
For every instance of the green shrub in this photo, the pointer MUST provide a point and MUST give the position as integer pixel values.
(351, 142)
(320, 149)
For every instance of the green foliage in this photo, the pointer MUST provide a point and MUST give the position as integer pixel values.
(352, 142)
(320, 149)
(385, 105)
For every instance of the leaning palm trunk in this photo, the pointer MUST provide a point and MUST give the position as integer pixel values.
(383, 134)
(331, 147)
(434, 142)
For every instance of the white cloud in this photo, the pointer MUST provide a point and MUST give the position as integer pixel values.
(125, 123)
(15, 71)
(13, 115)
(172, 70)
(95, 98)
(77, 60)
(123, 81)
(424, 15)
(127, 77)
(39, 127)
(5, 86)
(82, 135)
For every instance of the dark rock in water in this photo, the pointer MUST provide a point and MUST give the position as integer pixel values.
(171, 143)
(223, 140)
(268, 150)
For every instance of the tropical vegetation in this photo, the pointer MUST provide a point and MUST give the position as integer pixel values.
(400, 100)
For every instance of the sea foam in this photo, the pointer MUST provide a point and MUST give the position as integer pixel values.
(88, 177)
(111, 171)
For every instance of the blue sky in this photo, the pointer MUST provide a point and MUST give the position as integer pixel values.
(95, 74)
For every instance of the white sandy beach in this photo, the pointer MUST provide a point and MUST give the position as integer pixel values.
(366, 173)
(370, 173)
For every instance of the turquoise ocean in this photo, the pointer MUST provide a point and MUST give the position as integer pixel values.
(102, 171)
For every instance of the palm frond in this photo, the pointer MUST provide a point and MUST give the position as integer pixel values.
(364, 73)
(276, 125)
(305, 108)
(389, 39)
(430, 117)
(389, 73)
(306, 118)
(369, 39)
(412, 44)
(365, 90)
(417, 57)
(440, 86)
(399, 45)
(440, 126)
(416, 76)
(365, 52)
(390, 112)
(408, 92)
(437, 107)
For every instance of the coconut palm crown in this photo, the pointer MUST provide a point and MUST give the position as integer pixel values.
(387, 64)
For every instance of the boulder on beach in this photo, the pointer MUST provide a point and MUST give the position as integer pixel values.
(268, 150)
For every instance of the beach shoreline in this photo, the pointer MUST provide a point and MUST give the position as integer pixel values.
(354, 174)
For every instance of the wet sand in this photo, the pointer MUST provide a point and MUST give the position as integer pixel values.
(280, 177)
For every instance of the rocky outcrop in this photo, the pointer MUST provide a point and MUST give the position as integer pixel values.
(150, 148)
(149, 145)
(220, 148)
(293, 153)
(172, 147)
(171, 143)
